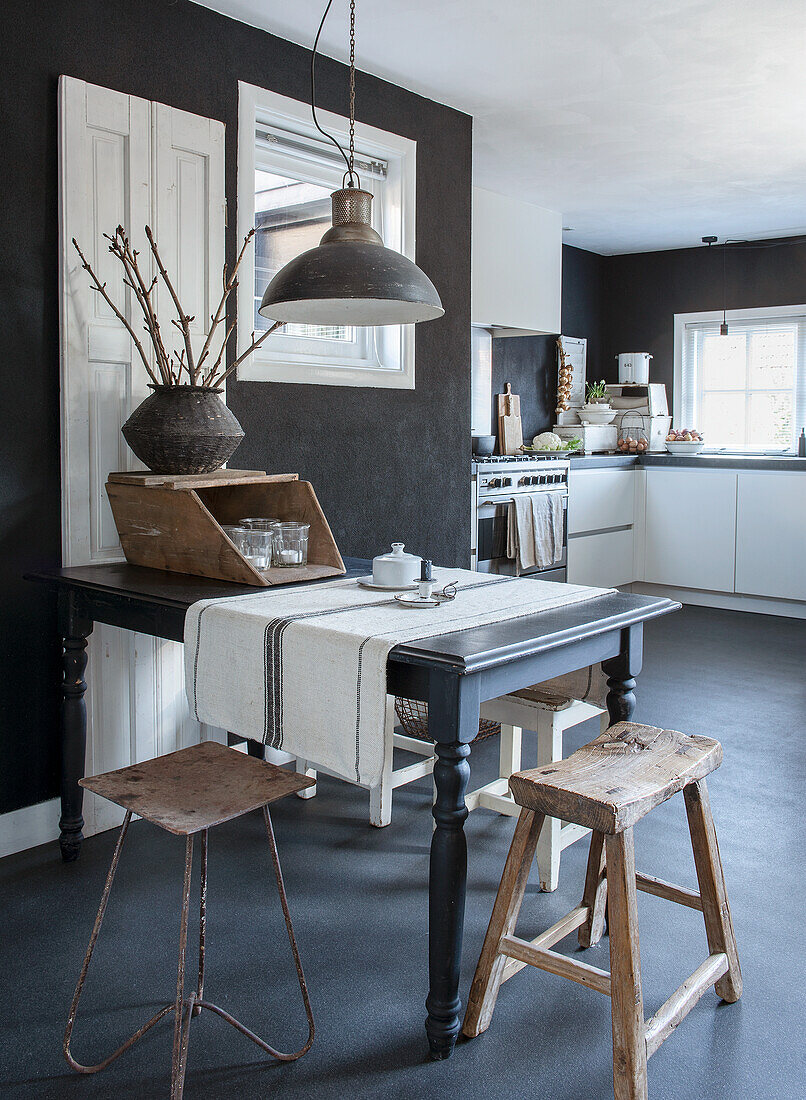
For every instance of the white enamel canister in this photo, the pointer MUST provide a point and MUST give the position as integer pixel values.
(633, 368)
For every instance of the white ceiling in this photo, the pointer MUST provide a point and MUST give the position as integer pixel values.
(648, 123)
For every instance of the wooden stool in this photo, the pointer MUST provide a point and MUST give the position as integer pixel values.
(185, 793)
(608, 786)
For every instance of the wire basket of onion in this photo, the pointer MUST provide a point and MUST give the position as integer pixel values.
(632, 436)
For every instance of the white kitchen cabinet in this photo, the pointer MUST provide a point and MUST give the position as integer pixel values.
(602, 498)
(516, 266)
(691, 528)
(604, 560)
(771, 535)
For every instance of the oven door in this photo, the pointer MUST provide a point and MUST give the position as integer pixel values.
(491, 544)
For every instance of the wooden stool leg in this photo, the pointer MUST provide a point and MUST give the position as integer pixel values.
(594, 895)
(629, 1043)
(490, 968)
(549, 749)
(715, 906)
(509, 750)
(304, 767)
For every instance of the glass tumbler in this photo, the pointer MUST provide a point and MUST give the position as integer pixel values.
(237, 535)
(290, 545)
(259, 523)
(258, 547)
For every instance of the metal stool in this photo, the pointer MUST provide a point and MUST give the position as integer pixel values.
(608, 786)
(188, 792)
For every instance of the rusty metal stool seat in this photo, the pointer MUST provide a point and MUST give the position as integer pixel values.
(608, 785)
(188, 792)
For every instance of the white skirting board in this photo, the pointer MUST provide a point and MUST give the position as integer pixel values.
(28, 827)
(728, 601)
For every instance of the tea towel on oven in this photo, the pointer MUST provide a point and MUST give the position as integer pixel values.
(535, 530)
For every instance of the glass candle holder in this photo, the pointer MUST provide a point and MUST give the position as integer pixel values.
(259, 547)
(259, 523)
(237, 535)
(290, 550)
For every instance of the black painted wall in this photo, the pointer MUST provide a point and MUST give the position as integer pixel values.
(642, 292)
(530, 362)
(386, 464)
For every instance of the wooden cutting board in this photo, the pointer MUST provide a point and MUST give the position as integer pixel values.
(510, 429)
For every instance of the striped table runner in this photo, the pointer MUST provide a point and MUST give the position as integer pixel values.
(304, 669)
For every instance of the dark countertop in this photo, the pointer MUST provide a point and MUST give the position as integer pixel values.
(595, 462)
(707, 461)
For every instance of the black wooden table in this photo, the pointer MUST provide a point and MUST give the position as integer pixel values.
(453, 673)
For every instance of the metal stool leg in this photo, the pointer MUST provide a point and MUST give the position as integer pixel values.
(184, 1007)
(279, 1055)
(181, 1027)
(202, 922)
(71, 1019)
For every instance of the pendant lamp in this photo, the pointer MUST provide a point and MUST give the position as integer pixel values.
(723, 328)
(350, 278)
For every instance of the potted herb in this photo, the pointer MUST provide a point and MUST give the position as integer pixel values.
(183, 427)
(596, 409)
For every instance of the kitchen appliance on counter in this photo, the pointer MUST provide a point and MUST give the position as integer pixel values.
(495, 481)
(633, 367)
(647, 401)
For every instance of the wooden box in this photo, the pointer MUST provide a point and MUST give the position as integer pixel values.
(175, 523)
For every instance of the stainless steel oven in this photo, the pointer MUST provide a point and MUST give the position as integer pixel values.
(495, 481)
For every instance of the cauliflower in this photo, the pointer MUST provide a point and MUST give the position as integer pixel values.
(547, 441)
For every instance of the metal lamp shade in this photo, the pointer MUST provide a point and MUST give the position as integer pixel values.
(351, 278)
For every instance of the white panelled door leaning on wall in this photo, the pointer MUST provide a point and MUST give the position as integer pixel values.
(125, 161)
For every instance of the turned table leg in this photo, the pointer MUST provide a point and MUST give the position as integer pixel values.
(73, 734)
(453, 721)
(621, 672)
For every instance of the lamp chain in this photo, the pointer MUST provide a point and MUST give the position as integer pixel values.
(352, 89)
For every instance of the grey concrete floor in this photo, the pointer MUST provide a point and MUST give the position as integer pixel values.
(358, 898)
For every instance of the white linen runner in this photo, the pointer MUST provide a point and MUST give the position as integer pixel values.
(304, 669)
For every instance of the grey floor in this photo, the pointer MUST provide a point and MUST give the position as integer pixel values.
(358, 898)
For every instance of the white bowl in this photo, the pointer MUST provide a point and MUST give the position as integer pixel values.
(596, 414)
(685, 448)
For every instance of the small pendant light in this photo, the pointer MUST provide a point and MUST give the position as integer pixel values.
(723, 328)
(350, 278)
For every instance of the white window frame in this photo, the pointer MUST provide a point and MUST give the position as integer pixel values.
(390, 363)
(761, 313)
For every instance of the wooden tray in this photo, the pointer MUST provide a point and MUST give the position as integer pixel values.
(175, 523)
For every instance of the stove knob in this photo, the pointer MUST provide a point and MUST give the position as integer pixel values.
(525, 481)
(506, 481)
(494, 483)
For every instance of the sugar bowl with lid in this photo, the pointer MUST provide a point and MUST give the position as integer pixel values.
(397, 569)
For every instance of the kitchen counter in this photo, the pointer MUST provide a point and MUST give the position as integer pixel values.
(707, 461)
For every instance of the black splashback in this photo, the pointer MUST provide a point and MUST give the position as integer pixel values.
(530, 364)
(373, 455)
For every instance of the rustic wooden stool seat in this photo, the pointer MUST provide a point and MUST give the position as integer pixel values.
(608, 785)
(188, 792)
(615, 780)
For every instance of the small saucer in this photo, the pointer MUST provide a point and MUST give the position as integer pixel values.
(416, 600)
(368, 582)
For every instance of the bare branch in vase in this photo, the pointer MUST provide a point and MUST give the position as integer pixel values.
(184, 319)
(229, 285)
